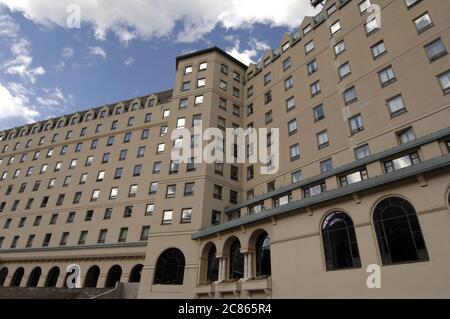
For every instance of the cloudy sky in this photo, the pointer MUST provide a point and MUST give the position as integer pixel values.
(57, 57)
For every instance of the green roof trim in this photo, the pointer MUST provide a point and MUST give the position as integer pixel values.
(348, 167)
(420, 168)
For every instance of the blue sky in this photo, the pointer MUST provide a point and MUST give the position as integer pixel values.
(122, 49)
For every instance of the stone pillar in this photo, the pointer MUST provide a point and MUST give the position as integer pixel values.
(245, 266)
(250, 265)
(219, 279)
(101, 280)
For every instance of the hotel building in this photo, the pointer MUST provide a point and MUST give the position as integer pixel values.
(360, 95)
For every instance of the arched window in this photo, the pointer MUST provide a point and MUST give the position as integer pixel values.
(398, 232)
(113, 277)
(262, 254)
(236, 260)
(212, 273)
(92, 277)
(3, 275)
(52, 277)
(339, 242)
(17, 277)
(170, 268)
(135, 275)
(35, 275)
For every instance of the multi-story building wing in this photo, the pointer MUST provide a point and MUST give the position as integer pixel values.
(360, 95)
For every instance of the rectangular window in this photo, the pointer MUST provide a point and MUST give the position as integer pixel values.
(354, 177)
(335, 27)
(312, 67)
(401, 162)
(435, 50)
(378, 49)
(102, 236)
(149, 209)
(189, 189)
(287, 64)
(188, 70)
(282, 200)
(326, 166)
(386, 76)
(344, 70)
(133, 191)
(406, 136)
(364, 6)
(113, 193)
(89, 215)
(309, 46)
(356, 124)
(153, 188)
(444, 80)
(198, 100)
(350, 96)
(267, 97)
(201, 82)
(314, 190)
(396, 105)
(296, 177)
(186, 86)
(423, 22)
(171, 191)
(186, 215)
(267, 78)
(215, 217)
(223, 85)
(339, 48)
(108, 213)
(371, 26)
(118, 173)
(362, 152)
(319, 113)
(411, 3)
(144, 233)
(83, 236)
(295, 152)
(217, 192)
(288, 83)
(167, 217)
(322, 139)
(128, 211)
(315, 88)
(123, 234)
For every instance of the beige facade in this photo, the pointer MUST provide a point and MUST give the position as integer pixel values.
(363, 112)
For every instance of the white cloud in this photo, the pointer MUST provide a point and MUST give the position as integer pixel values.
(22, 60)
(8, 27)
(67, 52)
(15, 105)
(97, 51)
(132, 19)
(129, 61)
(247, 56)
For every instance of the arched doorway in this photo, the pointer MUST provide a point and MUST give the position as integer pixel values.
(135, 275)
(113, 277)
(35, 275)
(3, 275)
(398, 232)
(17, 277)
(236, 260)
(212, 271)
(170, 268)
(262, 254)
(92, 277)
(52, 277)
